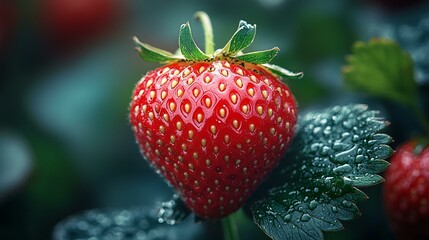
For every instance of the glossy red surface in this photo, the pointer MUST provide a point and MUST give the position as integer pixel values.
(214, 130)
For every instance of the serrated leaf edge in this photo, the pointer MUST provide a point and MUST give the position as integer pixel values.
(360, 108)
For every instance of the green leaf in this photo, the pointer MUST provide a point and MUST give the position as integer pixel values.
(133, 223)
(187, 45)
(173, 211)
(259, 57)
(279, 71)
(153, 54)
(333, 152)
(241, 39)
(380, 67)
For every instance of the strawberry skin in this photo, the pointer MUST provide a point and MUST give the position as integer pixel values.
(406, 192)
(213, 129)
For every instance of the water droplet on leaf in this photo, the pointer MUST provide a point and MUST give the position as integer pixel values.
(305, 217)
(360, 158)
(345, 168)
(313, 204)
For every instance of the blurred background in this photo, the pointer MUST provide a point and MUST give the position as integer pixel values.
(67, 69)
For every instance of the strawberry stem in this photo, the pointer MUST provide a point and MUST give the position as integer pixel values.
(230, 230)
(208, 31)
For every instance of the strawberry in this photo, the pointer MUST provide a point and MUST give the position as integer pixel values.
(213, 124)
(406, 191)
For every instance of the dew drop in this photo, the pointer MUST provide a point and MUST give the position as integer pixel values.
(269, 212)
(339, 146)
(334, 209)
(316, 130)
(345, 135)
(327, 131)
(346, 203)
(305, 217)
(313, 204)
(360, 158)
(287, 218)
(315, 147)
(325, 150)
(345, 156)
(345, 168)
(347, 124)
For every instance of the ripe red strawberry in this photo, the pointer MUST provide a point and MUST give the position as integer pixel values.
(214, 125)
(406, 191)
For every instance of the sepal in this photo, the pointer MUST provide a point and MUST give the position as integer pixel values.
(187, 45)
(241, 39)
(259, 57)
(279, 71)
(153, 54)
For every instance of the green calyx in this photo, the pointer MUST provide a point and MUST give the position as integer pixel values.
(240, 40)
(421, 144)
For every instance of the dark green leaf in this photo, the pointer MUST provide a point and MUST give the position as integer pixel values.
(259, 57)
(333, 152)
(382, 138)
(153, 54)
(376, 166)
(134, 223)
(383, 151)
(173, 211)
(380, 67)
(279, 71)
(366, 180)
(187, 45)
(241, 39)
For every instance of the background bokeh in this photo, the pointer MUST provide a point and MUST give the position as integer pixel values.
(67, 69)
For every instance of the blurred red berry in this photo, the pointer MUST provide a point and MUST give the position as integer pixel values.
(406, 191)
(67, 23)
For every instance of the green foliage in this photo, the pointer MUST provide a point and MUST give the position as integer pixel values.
(134, 223)
(173, 211)
(282, 72)
(241, 39)
(380, 67)
(259, 57)
(334, 151)
(152, 54)
(187, 45)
